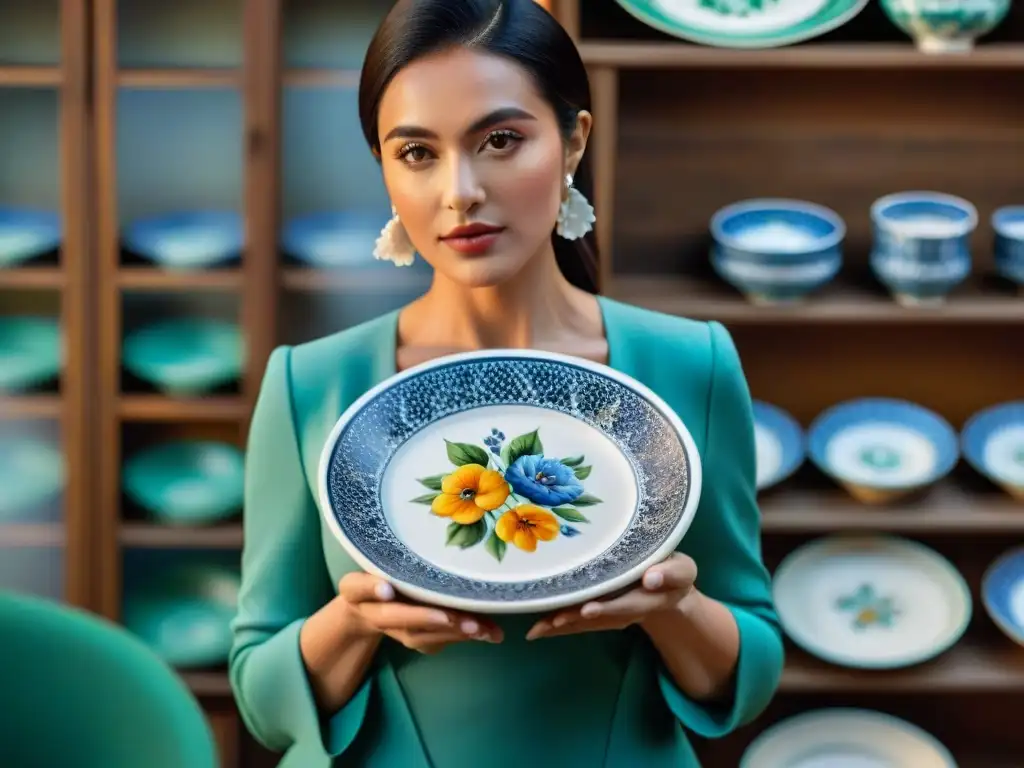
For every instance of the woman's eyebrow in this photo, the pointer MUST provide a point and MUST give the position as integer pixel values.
(488, 120)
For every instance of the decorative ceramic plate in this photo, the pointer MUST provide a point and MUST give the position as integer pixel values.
(25, 234)
(509, 481)
(846, 738)
(884, 444)
(744, 23)
(780, 444)
(871, 602)
(188, 240)
(992, 442)
(1002, 592)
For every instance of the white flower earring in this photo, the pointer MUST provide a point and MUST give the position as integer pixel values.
(394, 244)
(576, 214)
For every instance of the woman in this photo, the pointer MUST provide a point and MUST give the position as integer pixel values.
(478, 112)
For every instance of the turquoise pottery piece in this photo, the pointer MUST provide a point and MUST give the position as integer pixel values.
(30, 352)
(188, 240)
(744, 23)
(185, 357)
(25, 234)
(342, 239)
(183, 611)
(187, 482)
(1008, 224)
(946, 26)
(31, 474)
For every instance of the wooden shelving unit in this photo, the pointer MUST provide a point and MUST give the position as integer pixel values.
(67, 282)
(840, 120)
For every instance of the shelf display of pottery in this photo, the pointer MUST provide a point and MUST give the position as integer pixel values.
(1008, 225)
(946, 26)
(31, 352)
(26, 234)
(32, 473)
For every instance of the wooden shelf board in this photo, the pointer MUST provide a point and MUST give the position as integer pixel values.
(32, 277)
(945, 509)
(968, 667)
(311, 77)
(171, 78)
(156, 536)
(207, 684)
(707, 299)
(14, 535)
(670, 55)
(353, 280)
(152, 279)
(30, 407)
(30, 77)
(159, 408)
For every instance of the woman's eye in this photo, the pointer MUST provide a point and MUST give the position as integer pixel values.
(414, 153)
(503, 140)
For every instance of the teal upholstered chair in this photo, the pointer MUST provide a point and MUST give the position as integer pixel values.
(76, 690)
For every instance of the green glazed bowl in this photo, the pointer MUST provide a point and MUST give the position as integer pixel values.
(946, 26)
(30, 352)
(744, 23)
(183, 611)
(186, 357)
(31, 474)
(187, 482)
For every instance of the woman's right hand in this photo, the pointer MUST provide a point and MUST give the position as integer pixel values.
(421, 628)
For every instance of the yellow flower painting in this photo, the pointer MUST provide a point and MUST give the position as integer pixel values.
(508, 492)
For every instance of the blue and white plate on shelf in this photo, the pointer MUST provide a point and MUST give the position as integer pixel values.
(187, 240)
(185, 357)
(779, 441)
(509, 481)
(776, 251)
(1002, 592)
(842, 737)
(31, 352)
(871, 602)
(922, 248)
(25, 234)
(332, 240)
(187, 482)
(1008, 224)
(881, 448)
(992, 442)
(31, 474)
(744, 23)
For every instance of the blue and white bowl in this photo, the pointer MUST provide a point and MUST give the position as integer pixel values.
(992, 442)
(881, 448)
(187, 240)
(776, 251)
(326, 240)
(25, 234)
(922, 245)
(1008, 224)
(1002, 593)
(779, 442)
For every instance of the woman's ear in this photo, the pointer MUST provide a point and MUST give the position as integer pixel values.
(577, 143)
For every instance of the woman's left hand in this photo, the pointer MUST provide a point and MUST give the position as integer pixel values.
(664, 587)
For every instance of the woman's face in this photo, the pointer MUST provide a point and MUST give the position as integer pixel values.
(474, 163)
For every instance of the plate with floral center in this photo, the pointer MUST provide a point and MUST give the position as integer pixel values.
(509, 481)
(871, 602)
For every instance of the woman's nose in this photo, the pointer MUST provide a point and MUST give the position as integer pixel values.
(464, 190)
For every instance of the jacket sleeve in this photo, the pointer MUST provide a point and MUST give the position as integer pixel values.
(284, 580)
(730, 570)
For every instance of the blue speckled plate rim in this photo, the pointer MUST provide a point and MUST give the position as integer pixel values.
(819, 428)
(827, 717)
(825, 546)
(978, 428)
(998, 579)
(791, 437)
(550, 602)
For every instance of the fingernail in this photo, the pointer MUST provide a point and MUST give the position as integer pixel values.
(384, 591)
(538, 630)
(590, 610)
(470, 627)
(560, 621)
(653, 580)
(441, 618)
